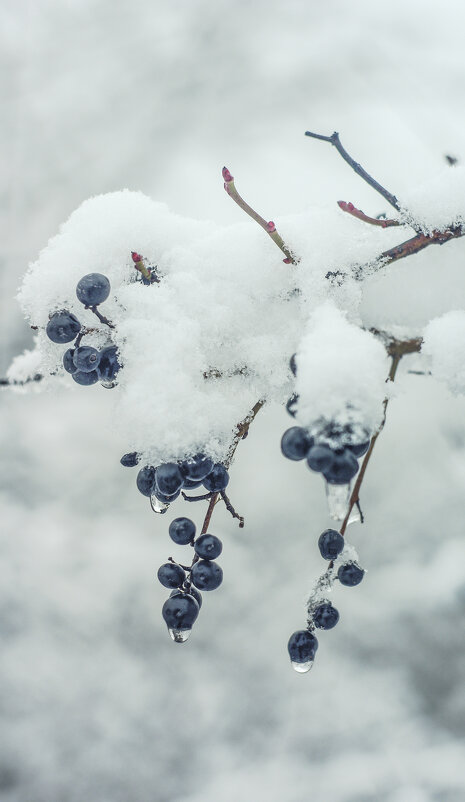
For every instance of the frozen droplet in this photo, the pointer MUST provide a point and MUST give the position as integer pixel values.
(180, 635)
(158, 506)
(354, 517)
(302, 668)
(108, 385)
(338, 500)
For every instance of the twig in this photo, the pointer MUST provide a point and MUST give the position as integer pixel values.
(231, 509)
(269, 227)
(12, 383)
(418, 243)
(334, 140)
(101, 317)
(374, 221)
(203, 497)
(355, 495)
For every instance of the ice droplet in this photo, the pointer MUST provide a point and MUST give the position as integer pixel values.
(180, 635)
(158, 506)
(302, 668)
(354, 517)
(109, 385)
(338, 500)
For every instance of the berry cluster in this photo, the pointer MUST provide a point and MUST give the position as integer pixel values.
(86, 364)
(164, 483)
(303, 644)
(182, 608)
(330, 448)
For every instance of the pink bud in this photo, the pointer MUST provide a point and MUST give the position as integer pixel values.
(136, 257)
(287, 261)
(270, 227)
(227, 175)
(342, 205)
(350, 207)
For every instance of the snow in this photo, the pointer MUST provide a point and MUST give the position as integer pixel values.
(444, 343)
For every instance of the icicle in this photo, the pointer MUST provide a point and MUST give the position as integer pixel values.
(338, 500)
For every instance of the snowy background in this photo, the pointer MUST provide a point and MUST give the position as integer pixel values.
(97, 703)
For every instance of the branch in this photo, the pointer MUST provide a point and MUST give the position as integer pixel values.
(12, 383)
(374, 221)
(418, 243)
(355, 495)
(269, 227)
(334, 140)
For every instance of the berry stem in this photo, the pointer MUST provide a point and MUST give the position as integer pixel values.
(269, 226)
(101, 317)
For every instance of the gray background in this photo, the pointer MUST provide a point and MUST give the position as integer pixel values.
(97, 703)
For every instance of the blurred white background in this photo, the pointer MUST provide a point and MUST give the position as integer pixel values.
(96, 702)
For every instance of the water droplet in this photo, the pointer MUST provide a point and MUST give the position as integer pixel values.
(108, 385)
(180, 635)
(338, 500)
(158, 506)
(354, 517)
(302, 668)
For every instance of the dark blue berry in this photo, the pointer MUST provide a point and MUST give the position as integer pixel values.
(350, 574)
(325, 616)
(81, 377)
(196, 468)
(146, 480)
(359, 449)
(68, 363)
(293, 365)
(291, 404)
(217, 479)
(296, 442)
(63, 327)
(320, 458)
(163, 497)
(302, 646)
(208, 547)
(182, 531)
(130, 460)
(86, 358)
(168, 478)
(180, 611)
(109, 364)
(171, 575)
(191, 592)
(330, 544)
(207, 575)
(343, 468)
(93, 289)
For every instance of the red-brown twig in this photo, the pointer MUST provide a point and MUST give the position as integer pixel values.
(418, 243)
(269, 226)
(374, 221)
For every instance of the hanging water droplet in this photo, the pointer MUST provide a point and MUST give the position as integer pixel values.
(109, 385)
(180, 635)
(158, 506)
(338, 500)
(302, 668)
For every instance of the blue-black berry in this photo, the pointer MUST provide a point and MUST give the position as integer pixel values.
(130, 460)
(320, 458)
(182, 531)
(330, 544)
(168, 478)
(208, 547)
(93, 289)
(63, 327)
(145, 480)
(171, 575)
(325, 616)
(180, 611)
(196, 468)
(86, 358)
(302, 646)
(343, 468)
(217, 479)
(109, 364)
(207, 575)
(350, 574)
(68, 363)
(86, 377)
(296, 442)
(359, 449)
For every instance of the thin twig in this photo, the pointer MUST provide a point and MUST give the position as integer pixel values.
(334, 140)
(418, 243)
(269, 226)
(231, 509)
(101, 317)
(13, 383)
(374, 221)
